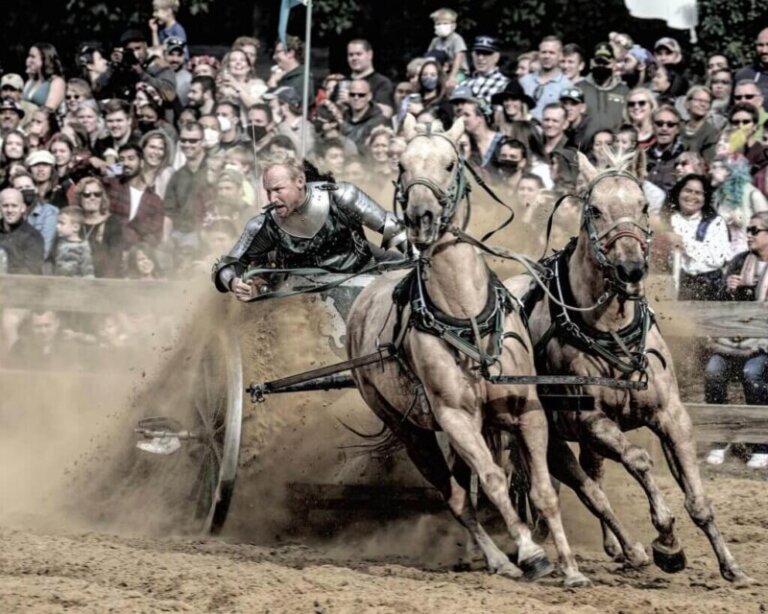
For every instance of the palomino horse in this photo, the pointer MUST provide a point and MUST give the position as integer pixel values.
(451, 301)
(608, 330)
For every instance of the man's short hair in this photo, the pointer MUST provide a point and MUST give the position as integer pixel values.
(117, 105)
(554, 106)
(263, 106)
(229, 102)
(295, 44)
(573, 48)
(207, 83)
(361, 41)
(531, 177)
(322, 147)
(743, 82)
(131, 146)
(514, 144)
(552, 39)
(196, 126)
(666, 108)
(744, 107)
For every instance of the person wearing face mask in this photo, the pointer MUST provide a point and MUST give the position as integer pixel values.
(432, 88)
(228, 114)
(604, 92)
(261, 126)
(211, 134)
(453, 44)
(40, 215)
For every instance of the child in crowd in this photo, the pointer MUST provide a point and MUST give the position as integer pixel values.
(164, 25)
(447, 40)
(72, 254)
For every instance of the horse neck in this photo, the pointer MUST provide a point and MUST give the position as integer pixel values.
(588, 284)
(456, 278)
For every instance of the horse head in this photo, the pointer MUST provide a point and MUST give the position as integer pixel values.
(615, 223)
(431, 184)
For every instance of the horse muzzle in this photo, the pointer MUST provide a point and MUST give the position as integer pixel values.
(422, 229)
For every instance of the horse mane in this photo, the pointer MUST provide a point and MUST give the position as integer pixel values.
(619, 161)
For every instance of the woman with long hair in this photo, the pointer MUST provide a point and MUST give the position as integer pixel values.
(736, 200)
(700, 235)
(538, 163)
(237, 79)
(13, 153)
(141, 263)
(638, 112)
(45, 85)
(64, 154)
(77, 91)
(41, 129)
(103, 231)
(431, 86)
(158, 151)
(89, 115)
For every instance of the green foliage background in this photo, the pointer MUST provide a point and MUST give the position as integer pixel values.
(398, 28)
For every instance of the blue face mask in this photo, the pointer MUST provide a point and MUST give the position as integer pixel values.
(429, 83)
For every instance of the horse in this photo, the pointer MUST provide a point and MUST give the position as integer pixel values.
(432, 316)
(595, 321)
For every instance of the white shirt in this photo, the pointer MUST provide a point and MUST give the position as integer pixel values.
(701, 256)
(135, 200)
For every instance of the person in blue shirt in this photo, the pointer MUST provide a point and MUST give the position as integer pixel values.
(164, 25)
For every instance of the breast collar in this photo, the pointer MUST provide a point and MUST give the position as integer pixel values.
(306, 221)
(623, 349)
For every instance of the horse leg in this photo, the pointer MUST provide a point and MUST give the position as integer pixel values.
(463, 431)
(564, 467)
(608, 440)
(675, 430)
(533, 431)
(592, 463)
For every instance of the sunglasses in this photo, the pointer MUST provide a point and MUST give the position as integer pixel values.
(190, 141)
(663, 124)
(357, 95)
(741, 122)
(637, 103)
(754, 230)
(744, 97)
(73, 96)
(91, 194)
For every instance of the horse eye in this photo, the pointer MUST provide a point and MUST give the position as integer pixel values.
(645, 209)
(449, 168)
(596, 213)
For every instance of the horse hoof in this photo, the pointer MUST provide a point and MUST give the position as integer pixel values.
(637, 556)
(671, 562)
(741, 580)
(536, 567)
(508, 570)
(577, 580)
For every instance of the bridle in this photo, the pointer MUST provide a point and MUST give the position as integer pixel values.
(449, 198)
(602, 241)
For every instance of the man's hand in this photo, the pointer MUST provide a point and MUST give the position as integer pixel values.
(733, 282)
(246, 290)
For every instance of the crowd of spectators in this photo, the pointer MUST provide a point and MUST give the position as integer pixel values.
(148, 157)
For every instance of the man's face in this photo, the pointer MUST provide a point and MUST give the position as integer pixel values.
(196, 95)
(721, 84)
(358, 58)
(12, 206)
(118, 124)
(45, 326)
(553, 123)
(715, 63)
(175, 58)
(285, 193)
(139, 49)
(191, 142)
(41, 172)
(666, 126)
(485, 61)
(572, 65)
(528, 191)
(574, 111)
(359, 95)
(228, 113)
(9, 120)
(257, 117)
(10, 92)
(664, 55)
(757, 236)
(282, 57)
(749, 93)
(698, 104)
(131, 163)
(550, 54)
(761, 47)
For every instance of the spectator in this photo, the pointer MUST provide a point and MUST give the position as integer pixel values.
(176, 55)
(238, 80)
(138, 208)
(602, 142)
(93, 62)
(486, 79)
(39, 214)
(716, 63)
(447, 40)
(690, 163)
(228, 114)
(23, 245)
(158, 151)
(45, 85)
(293, 124)
(142, 263)
(577, 132)
(289, 68)
(758, 72)
(736, 200)
(515, 106)
(261, 127)
(377, 157)
(433, 91)
(202, 95)
(40, 165)
(745, 280)
(744, 119)
(119, 120)
(720, 83)
(102, 230)
(573, 62)
(204, 66)
(360, 61)
(71, 254)
(89, 115)
(331, 156)
(11, 115)
(670, 56)
(637, 67)
(667, 85)
(41, 129)
(250, 46)
(604, 93)
(13, 153)
(70, 167)
(163, 23)
(187, 189)
(699, 133)
(44, 346)
(362, 115)
(749, 93)
(666, 149)
(11, 87)
(538, 161)
(478, 122)
(526, 63)
(701, 236)
(545, 84)
(553, 125)
(510, 163)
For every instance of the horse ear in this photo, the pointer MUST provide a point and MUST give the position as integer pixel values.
(409, 126)
(639, 163)
(585, 167)
(456, 130)
(437, 126)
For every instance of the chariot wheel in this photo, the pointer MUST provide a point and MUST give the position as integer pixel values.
(216, 420)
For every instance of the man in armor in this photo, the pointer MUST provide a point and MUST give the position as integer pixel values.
(308, 224)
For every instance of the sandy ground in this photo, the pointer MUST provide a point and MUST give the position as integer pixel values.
(86, 526)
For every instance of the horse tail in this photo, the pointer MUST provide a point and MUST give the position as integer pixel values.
(382, 443)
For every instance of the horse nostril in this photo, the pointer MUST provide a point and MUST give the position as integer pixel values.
(631, 271)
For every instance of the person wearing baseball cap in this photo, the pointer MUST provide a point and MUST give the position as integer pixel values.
(175, 53)
(604, 92)
(577, 132)
(667, 51)
(11, 115)
(12, 86)
(487, 79)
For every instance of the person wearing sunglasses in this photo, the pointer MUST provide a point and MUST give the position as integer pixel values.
(362, 114)
(663, 155)
(746, 279)
(102, 230)
(758, 71)
(748, 92)
(638, 113)
(744, 120)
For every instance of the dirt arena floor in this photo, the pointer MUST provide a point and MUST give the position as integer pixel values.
(85, 525)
